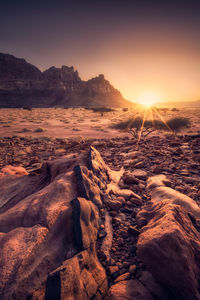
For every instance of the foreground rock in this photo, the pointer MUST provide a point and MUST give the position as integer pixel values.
(169, 244)
(129, 290)
(158, 186)
(49, 221)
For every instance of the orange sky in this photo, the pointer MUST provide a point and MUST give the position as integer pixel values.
(142, 46)
(164, 64)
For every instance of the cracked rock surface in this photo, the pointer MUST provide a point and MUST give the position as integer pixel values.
(113, 222)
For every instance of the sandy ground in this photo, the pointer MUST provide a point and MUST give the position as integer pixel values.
(80, 122)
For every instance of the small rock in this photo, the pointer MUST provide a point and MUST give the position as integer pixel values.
(140, 174)
(126, 264)
(122, 277)
(140, 165)
(113, 213)
(136, 201)
(128, 178)
(114, 205)
(127, 194)
(132, 269)
(101, 234)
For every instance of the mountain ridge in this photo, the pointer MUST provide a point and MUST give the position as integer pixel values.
(23, 84)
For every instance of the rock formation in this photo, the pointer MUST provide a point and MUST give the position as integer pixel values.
(169, 244)
(159, 191)
(75, 229)
(24, 85)
(47, 228)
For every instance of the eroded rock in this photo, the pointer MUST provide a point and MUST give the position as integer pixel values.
(169, 246)
(128, 290)
(81, 277)
(156, 185)
(45, 225)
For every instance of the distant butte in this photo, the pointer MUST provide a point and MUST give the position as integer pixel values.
(24, 85)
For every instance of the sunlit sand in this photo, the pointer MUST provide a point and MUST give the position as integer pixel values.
(63, 123)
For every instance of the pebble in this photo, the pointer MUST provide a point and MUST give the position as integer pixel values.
(140, 174)
(122, 277)
(132, 269)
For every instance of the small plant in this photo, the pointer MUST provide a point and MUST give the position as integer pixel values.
(27, 108)
(141, 128)
(102, 109)
(174, 109)
(176, 124)
(76, 129)
(39, 129)
(25, 130)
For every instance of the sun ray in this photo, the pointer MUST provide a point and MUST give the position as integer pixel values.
(152, 117)
(115, 117)
(161, 118)
(142, 126)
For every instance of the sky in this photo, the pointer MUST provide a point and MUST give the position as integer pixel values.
(144, 48)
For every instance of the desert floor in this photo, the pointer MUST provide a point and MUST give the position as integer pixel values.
(80, 122)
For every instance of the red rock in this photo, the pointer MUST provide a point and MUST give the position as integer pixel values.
(156, 185)
(114, 204)
(169, 246)
(154, 286)
(132, 269)
(113, 269)
(122, 277)
(42, 223)
(128, 178)
(128, 290)
(140, 174)
(136, 201)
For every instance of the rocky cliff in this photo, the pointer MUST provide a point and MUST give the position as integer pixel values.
(22, 84)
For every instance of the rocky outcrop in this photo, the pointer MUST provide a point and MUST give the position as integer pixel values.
(23, 85)
(12, 68)
(48, 229)
(57, 222)
(80, 277)
(129, 290)
(169, 243)
(158, 187)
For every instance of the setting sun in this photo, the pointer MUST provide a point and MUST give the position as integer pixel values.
(148, 98)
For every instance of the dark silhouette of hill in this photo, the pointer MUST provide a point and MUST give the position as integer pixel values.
(24, 85)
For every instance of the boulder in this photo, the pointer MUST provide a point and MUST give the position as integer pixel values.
(158, 187)
(169, 247)
(153, 286)
(128, 290)
(140, 174)
(85, 218)
(81, 277)
(47, 218)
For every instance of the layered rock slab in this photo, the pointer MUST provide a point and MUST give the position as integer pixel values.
(129, 290)
(80, 277)
(169, 246)
(159, 189)
(45, 223)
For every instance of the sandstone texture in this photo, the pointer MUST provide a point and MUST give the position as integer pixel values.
(48, 229)
(169, 246)
(79, 225)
